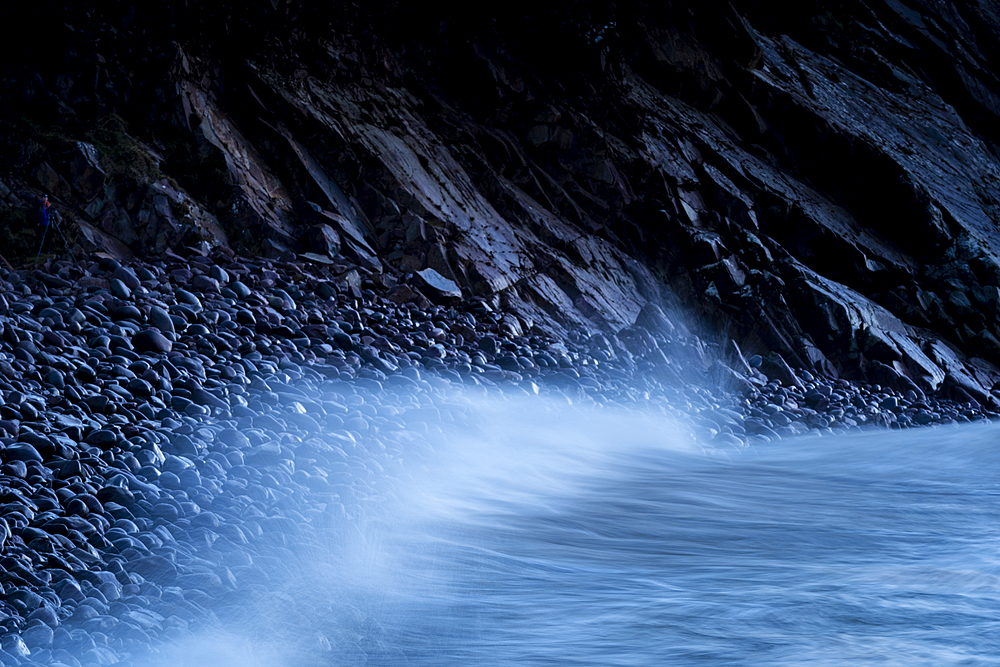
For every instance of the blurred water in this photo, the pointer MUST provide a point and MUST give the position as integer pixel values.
(539, 535)
(557, 538)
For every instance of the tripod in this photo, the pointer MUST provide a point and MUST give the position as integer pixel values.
(53, 223)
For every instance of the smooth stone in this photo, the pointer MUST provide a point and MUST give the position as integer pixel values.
(116, 494)
(206, 520)
(9, 424)
(203, 397)
(126, 276)
(120, 289)
(233, 438)
(139, 387)
(15, 469)
(780, 419)
(53, 338)
(165, 511)
(203, 283)
(102, 438)
(70, 590)
(77, 507)
(219, 274)
(127, 312)
(85, 373)
(343, 341)
(154, 568)
(186, 297)
(889, 403)
(182, 445)
(507, 362)
(815, 399)
(16, 647)
(170, 481)
(46, 615)
(56, 379)
(150, 340)
(97, 403)
(31, 599)
(21, 452)
(246, 317)
(241, 290)
(29, 412)
(160, 318)
(189, 478)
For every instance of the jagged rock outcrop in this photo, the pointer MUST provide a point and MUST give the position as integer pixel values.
(817, 183)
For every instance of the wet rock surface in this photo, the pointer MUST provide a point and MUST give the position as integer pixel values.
(170, 450)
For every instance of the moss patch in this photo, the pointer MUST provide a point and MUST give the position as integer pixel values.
(24, 143)
(121, 155)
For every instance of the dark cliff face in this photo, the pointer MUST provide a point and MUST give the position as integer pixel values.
(818, 183)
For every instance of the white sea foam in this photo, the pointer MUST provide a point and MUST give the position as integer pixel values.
(531, 533)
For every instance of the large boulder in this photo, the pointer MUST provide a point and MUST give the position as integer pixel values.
(52, 182)
(438, 289)
(323, 239)
(887, 376)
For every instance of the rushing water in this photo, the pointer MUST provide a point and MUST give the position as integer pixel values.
(553, 537)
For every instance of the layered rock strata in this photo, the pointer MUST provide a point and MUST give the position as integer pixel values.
(816, 182)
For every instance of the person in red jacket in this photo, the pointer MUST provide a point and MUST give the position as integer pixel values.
(43, 211)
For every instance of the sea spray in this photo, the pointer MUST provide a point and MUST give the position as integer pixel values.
(529, 532)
